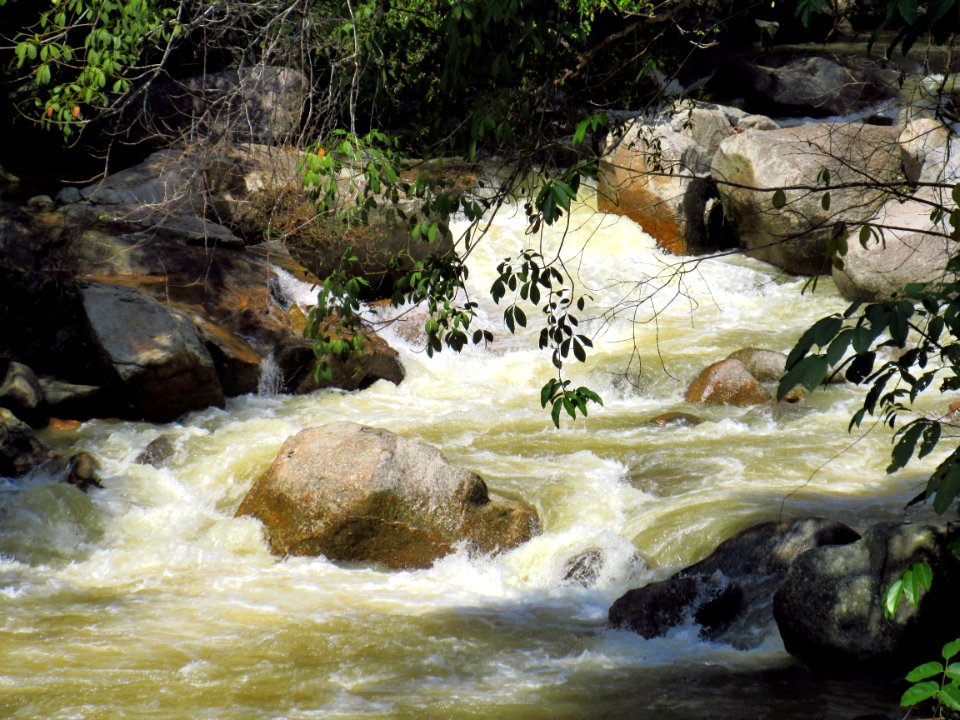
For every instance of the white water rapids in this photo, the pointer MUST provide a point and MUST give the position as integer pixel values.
(148, 599)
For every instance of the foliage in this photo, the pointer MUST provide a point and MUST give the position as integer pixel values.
(84, 57)
(945, 689)
(916, 578)
(899, 348)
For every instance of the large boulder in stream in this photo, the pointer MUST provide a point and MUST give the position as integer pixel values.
(749, 167)
(829, 606)
(152, 352)
(727, 382)
(656, 172)
(730, 593)
(361, 494)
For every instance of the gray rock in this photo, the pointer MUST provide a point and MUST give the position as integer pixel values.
(252, 104)
(362, 494)
(157, 452)
(764, 365)
(71, 400)
(21, 392)
(750, 166)
(39, 203)
(20, 449)
(730, 593)
(829, 611)
(68, 196)
(153, 353)
(911, 248)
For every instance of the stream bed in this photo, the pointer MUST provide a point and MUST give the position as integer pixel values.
(148, 599)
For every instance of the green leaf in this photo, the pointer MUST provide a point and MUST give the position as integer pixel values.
(825, 201)
(922, 672)
(779, 199)
(903, 450)
(951, 649)
(918, 693)
(952, 671)
(555, 413)
(891, 599)
(950, 696)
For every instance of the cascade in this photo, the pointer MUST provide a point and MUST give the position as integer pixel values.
(149, 599)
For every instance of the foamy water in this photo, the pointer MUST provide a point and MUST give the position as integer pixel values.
(149, 599)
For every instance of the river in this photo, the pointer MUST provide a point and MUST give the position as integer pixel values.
(148, 599)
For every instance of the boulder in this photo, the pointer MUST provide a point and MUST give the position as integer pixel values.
(750, 166)
(910, 248)
(926, 152)
(764, 365)
(829, 610)
(656, 173)
(810, 86)
(253, 104)
(21, 392)
(729, 593)
(377, 361)
(360, 494)
(66, 400)
(20, 449)
(727, 382)
(152, 353)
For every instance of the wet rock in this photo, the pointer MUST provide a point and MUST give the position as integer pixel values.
(764, 365)
(730, 593)
(829, 611)
(584, 568)
(83, 471)
(656, 173)
(21, 392)
(675, 418)
(749, 166)
(20, 449)
(360, 494)
(377, 361)
(153, 353)
(157, 452)
(727, 382)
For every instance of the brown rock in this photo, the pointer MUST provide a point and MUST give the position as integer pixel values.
(674, 418)
(727, 382)
(361, 494)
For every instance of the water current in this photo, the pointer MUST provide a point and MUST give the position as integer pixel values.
(148, 599)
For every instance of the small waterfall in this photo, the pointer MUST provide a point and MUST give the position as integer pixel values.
(271, 378)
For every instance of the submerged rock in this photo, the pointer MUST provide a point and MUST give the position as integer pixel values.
(730, 593)
(829, 607)
(83, 471)
(361, 494)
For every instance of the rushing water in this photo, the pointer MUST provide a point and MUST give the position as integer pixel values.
(148, 599)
